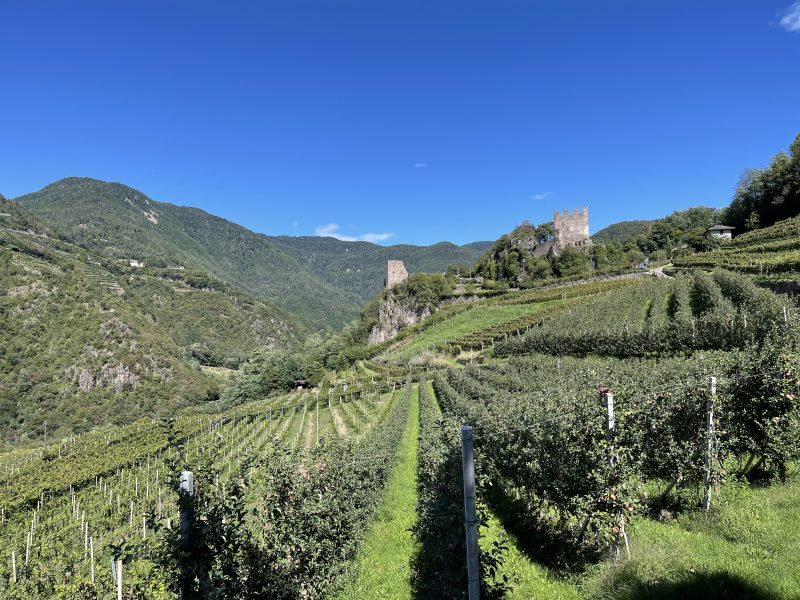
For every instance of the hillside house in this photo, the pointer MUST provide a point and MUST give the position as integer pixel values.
(720, 231)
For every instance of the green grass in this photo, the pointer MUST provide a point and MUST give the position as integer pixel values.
(383, 565)
(528, 579)
(470, 321)
(747, 548)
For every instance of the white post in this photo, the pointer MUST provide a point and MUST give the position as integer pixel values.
(470, 513)
(612, 460)
(14, 565)
(712, 394)
(119, 579)
(610, 423)
(91, 554)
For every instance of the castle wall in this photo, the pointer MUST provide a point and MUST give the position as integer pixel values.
(572, 228)
(395, 272)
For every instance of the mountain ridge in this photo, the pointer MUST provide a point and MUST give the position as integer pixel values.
(121, 222)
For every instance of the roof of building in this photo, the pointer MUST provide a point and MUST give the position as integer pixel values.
(717, 227)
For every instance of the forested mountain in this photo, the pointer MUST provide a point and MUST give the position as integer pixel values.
(87, 340)
(622, 232)
(323, 281)
(360, 267)
(120, 222)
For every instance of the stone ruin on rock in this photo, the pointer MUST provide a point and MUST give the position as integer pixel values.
(395, 273)
(571, 230)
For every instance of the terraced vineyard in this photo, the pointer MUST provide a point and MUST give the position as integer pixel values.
(662, 316)
(478, 324)
(769, 253)
(291, 491)
(69, 510)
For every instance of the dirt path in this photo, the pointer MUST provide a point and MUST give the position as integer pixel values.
(341, 428)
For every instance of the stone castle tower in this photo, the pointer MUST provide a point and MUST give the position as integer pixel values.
(395, 272)
(572, 229)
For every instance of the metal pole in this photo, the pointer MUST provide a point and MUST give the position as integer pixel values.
(712, 394)
(186, 492)
(470, 513)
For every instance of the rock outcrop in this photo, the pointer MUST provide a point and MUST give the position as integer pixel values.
(394, 315)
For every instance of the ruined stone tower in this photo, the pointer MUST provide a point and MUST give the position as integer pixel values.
(395, 272)
(572, 229)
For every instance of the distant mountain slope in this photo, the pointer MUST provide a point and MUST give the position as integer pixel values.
(481, 246)
(360, 267)
(622, 232)
(86, 340)
(118, 221)
(322, 281)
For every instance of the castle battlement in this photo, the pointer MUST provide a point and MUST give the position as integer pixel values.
(572, 228)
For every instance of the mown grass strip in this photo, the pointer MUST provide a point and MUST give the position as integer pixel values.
(383, 564)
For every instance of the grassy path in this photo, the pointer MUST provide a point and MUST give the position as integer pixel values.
(481, 317)
(383, 564)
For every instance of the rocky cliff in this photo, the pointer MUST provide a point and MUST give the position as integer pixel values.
(394, 315)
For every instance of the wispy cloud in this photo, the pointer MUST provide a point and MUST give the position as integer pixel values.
(333, 230)
(541, 196)
(376, 237)
(790, 21)
(421, 165)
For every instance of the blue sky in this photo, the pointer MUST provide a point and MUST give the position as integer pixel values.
(400, 122)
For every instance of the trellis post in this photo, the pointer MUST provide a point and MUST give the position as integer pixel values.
(712, 395)
(610, 423)
(119, 579)
(186, 492)
(470, 512)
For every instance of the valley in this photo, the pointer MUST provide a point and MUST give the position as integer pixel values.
(633, 405)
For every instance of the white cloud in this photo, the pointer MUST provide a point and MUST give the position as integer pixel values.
(376, 237)
(541, 196)
(421, 165)
(332, 230)
(791, 20)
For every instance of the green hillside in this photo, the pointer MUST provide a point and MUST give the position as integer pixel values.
(771, 253)
(120, 222)
(360, 267)
(622, 232)
(323, 281)
(87, 340)
(355, 487)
